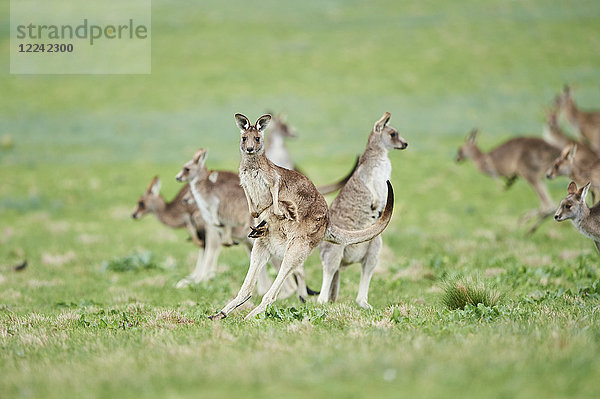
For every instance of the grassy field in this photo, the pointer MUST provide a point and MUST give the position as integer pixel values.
(79, 150)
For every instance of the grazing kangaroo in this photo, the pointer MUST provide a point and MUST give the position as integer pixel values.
(295, 217)
(222, 203)
(567, 164)
(527, 157)
(176, 214)
(586, 220)
(588, 123)
(357, 206)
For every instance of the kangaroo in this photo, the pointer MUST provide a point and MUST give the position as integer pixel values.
(358, 205)
(586, 220)
(588, 123)
(221, 201)
(585, 156)
(567, 164)
(275, 150)
(177, 213)
(294, 216)
(527, 157)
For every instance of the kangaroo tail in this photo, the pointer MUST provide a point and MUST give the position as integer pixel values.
(333, 187)
(341, 236)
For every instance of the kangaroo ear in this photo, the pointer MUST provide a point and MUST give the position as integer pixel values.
(200, 156)
(262, 122)
(242, 122)
(572, 189)
(572, 152)
(154, 186)
(381, 123)
(583, 192)
(472, 136)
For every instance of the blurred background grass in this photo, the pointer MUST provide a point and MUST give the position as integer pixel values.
(85, 147)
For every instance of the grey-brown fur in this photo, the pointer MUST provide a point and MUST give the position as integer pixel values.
(295, 213)
(358, 205)
(569, 164)
(178, 213)
(587, 123)
(526, 157)
(222, 203)
(573, 207)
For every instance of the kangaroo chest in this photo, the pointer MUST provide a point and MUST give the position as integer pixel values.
(257, 188)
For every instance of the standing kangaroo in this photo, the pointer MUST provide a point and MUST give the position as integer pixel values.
(277, 153)
(176, 214)
(295, 217)
(222, 203)
(275, 148)
(527, 157)
(586, 220)
(588, 123)
(357, 206)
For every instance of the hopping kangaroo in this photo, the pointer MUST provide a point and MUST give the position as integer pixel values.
(588, 123)
(586, 220)
(294, 216)
(177, 213)
(527, 157)
(579, 169)
(358, 205)
(222, 203)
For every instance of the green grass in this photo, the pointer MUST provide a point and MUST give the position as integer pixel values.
(83, 148)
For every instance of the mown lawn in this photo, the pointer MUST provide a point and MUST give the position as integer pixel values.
(79, 150)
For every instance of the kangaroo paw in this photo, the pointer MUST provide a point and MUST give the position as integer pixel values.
(258, 231)
(217, 316)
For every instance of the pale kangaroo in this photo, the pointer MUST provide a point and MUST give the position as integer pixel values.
(587, 123)
(176, 214)
(276, 151)
(585, 219)
(222, 202)
(275, 148)
(295, 217)
(578, 170)
(527, 157)
(357, 206)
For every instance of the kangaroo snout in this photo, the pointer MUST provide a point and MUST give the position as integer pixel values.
(178, 177)
(402, 146)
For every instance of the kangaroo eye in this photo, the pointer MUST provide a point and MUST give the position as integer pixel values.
(186, 170)
(393, 135)
(244, 139)
(568, 206)
(141, 204)
(555, 167)
(257, 139)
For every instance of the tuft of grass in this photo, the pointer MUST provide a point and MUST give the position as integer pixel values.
(132, 262)
(459, 292)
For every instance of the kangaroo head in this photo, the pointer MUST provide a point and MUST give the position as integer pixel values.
(195, 168)
(279, 126)
(573, 206)
(563, 165)
(149, 200)
(467, 150)
(252, 140)
(387, 135)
